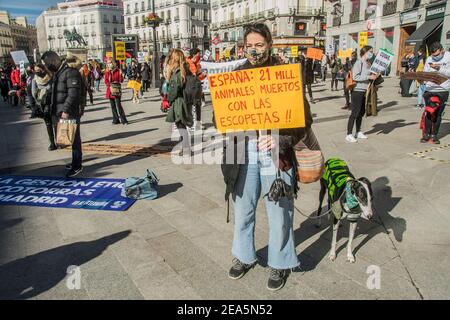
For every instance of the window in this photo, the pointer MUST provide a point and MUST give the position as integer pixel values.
(128, 8)
(142, 6)
(115, 30)
(136, 21)
(192, 12)
(129, 22)
(114, 19)
(135, 7)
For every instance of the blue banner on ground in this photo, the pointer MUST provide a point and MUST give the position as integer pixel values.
(92, 194)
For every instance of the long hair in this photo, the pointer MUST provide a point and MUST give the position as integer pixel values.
(177, 60)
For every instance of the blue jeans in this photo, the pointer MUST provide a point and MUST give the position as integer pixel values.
(420, 92)
(258, 173)
(97, 85)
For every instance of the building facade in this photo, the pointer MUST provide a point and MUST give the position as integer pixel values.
(400, 26)
(6, 43)
(185, 23)
(17, 35)
(293, 23)
(94, 20)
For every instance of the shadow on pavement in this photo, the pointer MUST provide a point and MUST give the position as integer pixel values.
(121, 135)
(164, 190)
(110, 118)
(387, 105)
(9, 223)
(311, 256)
(30, 276)
(388, 127)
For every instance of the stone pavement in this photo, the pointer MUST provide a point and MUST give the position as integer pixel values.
(178, 246)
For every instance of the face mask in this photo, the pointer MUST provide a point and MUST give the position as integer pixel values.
(41, 74)
(257, 56)
(437, 58)
(369, 55)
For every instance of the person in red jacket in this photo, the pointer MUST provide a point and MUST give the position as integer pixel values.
(114, 74)
(15, 76)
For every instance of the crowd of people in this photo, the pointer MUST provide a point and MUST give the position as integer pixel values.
(57, 89)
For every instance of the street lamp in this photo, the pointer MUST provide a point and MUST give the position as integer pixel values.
(153, 21)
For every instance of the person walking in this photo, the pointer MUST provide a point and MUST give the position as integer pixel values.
(4, 84)
(245, 180)
(16, 84)
(421, 58)
(199, 102)
(361, 76)
(180, 113)
(66, 101)
(97, 75)
(113, 75)
(29, 100)
(146, 77)
(435, 95)
(324, 67)
(307, 74)
(336, 66)
(88, 81)
(42, 91)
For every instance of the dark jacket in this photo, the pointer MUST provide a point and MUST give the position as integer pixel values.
(67, 89)
(288, 138)
(146, 73)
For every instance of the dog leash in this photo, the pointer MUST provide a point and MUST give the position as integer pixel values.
(318, 217)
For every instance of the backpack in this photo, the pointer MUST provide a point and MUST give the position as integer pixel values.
(141, 187)
(192, 89)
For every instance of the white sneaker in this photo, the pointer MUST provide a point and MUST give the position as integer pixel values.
(198, 126)
(350, 138)
(203, 104)
(361, 135)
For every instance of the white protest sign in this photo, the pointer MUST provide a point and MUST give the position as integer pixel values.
(141, 57)
(22, 67)
(344, 42)
(382, 61)
(19, 56)
(206, 55)
(330, 49)
(212, 68)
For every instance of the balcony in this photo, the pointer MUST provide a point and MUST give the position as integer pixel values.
(354, 17)
(176, 36)
(86, 34)
(92, 21)
(410, 4)
(93, 33)
(215, 4)
(85, 22)
(107, 33)
(51, 25)
(390, 8)
(271, 13)
(214, 26)
(176, 18)
(168, 21)
(59, 24)
(60, 36)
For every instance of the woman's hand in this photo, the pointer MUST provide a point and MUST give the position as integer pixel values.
(374, 76)
(266, 143)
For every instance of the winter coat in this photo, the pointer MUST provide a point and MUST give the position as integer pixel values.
(288, 138)
(146, 73)
(179, 111)
(41, 89)
(116, 77)
(15, 77)
(68, 90)
(309, 71)
(371, 100)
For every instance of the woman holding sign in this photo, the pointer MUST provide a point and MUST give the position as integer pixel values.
(362, 76)
(245, 180)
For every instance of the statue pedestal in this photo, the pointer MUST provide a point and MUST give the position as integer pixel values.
(80, 53)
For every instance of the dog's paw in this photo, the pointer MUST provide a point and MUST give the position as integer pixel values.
(351, 258)
(332, 256)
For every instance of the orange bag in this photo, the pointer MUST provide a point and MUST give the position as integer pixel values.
(310, 160)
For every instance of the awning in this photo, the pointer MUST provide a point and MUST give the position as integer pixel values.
(424, 31)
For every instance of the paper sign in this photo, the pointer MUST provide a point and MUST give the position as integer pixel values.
(133, 84)
(363, 39)
(313, 53)
(120, 50)
(19, 56)
(382, 61)
(260, 98)
(330, 49)
(342, 54)
(213, 68)
(109, 54)
(206, 55)
(294, 51)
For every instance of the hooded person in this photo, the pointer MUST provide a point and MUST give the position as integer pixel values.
(68, 94)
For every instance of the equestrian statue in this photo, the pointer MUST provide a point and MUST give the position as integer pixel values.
(73, 37)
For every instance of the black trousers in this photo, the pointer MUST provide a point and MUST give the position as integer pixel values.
(432, 127)
(51, 128)
(347, 96)
(77, 154)
(358, 108)
(117, 110)
(309, 90)
(334, 81)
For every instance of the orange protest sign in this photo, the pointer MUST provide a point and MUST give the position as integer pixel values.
(342, 54)
(314, 53)
(256, 99)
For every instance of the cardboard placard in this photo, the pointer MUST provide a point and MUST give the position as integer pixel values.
(109, 54)
(382, 61)
(363, 39)
(120, 50)
(294, 51)
(342, 54)
(260, 98)
(213, 68)
(141, 57)
(315, 54)
(19, 56)
(206, 55)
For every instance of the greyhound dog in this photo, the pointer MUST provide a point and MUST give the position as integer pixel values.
(347, 198)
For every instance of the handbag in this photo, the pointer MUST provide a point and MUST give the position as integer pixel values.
(340, 76)
(350, 84)
(115, 87)
(141, 187)
(310, 160)
(65, 132)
